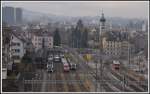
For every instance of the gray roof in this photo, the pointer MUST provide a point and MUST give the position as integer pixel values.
(116, 36)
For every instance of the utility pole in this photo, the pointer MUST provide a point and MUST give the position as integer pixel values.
(129, 52)
(96, 76)
(101, 29)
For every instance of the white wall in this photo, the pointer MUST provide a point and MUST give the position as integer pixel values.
(20, 47)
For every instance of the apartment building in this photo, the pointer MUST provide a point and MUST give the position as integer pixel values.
(17, 47)
(42, 39)
(115, 44)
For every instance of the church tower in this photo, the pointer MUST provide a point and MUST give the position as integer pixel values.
(102, 23)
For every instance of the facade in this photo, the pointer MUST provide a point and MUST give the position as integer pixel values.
(17, 48)
(42, 40)
(115, 45)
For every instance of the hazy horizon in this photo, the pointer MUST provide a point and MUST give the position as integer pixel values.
(111, 9)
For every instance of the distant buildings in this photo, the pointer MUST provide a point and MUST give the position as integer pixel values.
(42, 39)
(18, 17)
(8, 15)
(12, 15)
(139, 41)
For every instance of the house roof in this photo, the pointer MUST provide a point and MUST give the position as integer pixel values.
(18, 35)
(116, 36)
(41, 32)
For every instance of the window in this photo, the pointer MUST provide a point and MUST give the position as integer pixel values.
(15, 44)
(46, 39)
(35, 38)
(39, 39)
(18, 44)
(15, 57)
(17, 50)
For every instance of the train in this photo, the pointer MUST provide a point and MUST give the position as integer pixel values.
(65, 65)
(116, 65)
(73, 66)
(57, 58)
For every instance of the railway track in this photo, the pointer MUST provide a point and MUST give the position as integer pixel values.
(81, 85)
(59, 86)
(120, 75)
(69, 84)
(136, 80)
(76, 84)
(51, 86)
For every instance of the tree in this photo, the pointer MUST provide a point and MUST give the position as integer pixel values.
(26, 60)
(84, 39)
(78, 34)
(57, 39)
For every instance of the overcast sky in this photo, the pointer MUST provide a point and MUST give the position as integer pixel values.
(126, 9)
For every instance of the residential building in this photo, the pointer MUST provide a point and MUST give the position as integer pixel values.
(115, 44)
(17, 47)
(42, 39)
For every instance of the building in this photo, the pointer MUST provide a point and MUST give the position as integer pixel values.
(4, 73)
(140, 41)
(8, 15)
(11, 15)
(102, 24)
(115, 44)
(17, 47)
(42, 39)
(18, 16)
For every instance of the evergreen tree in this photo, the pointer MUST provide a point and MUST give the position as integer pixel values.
(84, 39)
(78, 34)
(57, 39)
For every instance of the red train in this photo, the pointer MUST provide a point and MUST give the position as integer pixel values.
(116, 65)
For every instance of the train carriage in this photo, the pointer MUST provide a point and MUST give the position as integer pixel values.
(116, 65)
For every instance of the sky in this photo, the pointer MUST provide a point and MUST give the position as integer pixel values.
(126, 9)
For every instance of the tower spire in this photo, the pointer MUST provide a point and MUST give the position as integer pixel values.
(102, 22)
(102, 19)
